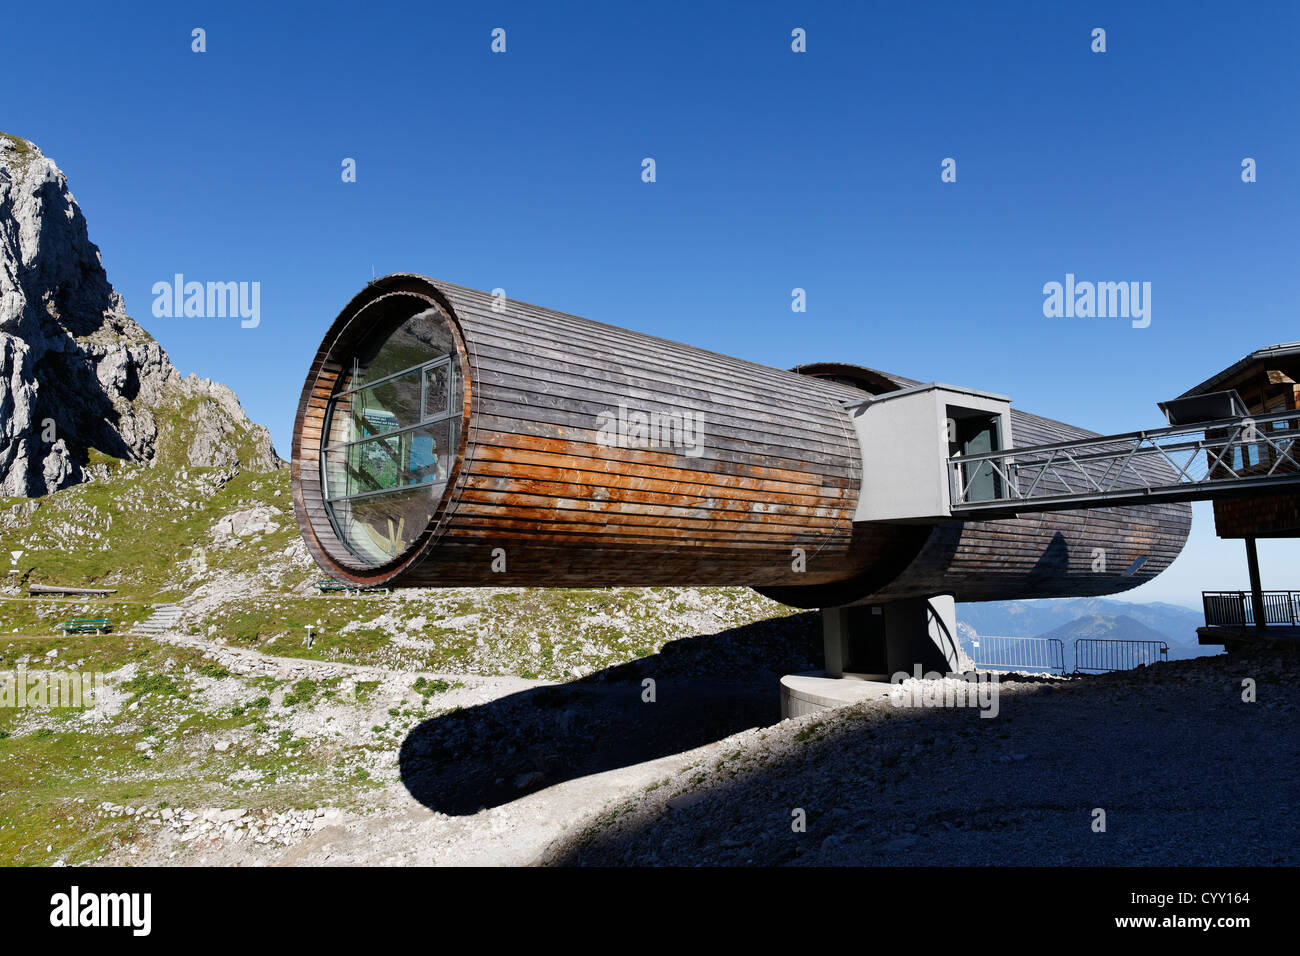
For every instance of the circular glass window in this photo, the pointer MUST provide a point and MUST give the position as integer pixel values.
(391, 433)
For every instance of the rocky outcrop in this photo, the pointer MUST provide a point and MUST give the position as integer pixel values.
(78, 376)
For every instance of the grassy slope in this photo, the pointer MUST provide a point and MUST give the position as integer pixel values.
(130, 531)
(154, 747)
(149, 533)
(150, 536)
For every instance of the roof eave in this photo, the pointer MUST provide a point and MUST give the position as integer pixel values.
(1285, 350)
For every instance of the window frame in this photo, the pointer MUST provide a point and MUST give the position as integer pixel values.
(450, 411)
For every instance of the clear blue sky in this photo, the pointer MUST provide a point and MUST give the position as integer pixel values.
(819, 170)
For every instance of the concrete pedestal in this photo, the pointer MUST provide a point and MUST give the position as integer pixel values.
(866, 645)
(808, 693)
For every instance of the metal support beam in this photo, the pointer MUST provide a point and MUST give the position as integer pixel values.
(1256, 588)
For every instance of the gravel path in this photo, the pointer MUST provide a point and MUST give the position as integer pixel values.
(587, 772)
(1186, 772)
(518, 765)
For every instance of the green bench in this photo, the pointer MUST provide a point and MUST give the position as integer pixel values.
(330, 586)
(87, 625)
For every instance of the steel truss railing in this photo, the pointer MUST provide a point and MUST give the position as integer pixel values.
(1181, 463)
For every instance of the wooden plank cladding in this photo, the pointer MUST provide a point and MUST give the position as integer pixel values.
(598, 456)
(1081, 553)
(588, 455)
(1261, 515)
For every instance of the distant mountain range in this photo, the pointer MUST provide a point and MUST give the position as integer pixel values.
(1072, 618)
(1121, 627)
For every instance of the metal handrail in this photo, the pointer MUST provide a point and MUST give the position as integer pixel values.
(1236, 609)
(1130, 465)
(1152, 433)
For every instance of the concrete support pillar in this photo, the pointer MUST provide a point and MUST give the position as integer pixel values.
(835, 637)
(1256, 589)
(942, 632)
(924, 632)
(882, 640)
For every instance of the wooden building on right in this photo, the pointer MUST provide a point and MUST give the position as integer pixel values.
(1267, 385)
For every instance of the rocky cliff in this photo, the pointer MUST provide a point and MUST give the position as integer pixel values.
(80, 381)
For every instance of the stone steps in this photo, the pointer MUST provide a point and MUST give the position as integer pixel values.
(163, 620)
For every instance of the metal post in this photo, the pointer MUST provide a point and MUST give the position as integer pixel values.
(1256, 589)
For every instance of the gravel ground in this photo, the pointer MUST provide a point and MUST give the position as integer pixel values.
(1186, 772)
(506, 767)
(589, 772)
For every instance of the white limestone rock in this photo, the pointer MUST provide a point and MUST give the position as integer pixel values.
(76, 372)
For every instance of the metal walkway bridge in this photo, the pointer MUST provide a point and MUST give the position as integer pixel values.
(1216, 459)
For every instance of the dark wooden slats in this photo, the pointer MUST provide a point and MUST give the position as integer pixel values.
(640, 371)
(778, 469)
(771, 449)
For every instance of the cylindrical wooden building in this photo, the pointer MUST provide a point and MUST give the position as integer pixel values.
(447, 438)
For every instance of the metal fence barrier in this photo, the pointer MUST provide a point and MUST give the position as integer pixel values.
(1018, 653)
(1097, 655)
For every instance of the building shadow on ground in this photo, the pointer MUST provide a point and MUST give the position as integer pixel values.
(1181, 771)
(704, 688)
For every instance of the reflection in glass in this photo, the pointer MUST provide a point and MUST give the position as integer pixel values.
(412, 457)
(377, 529)
(390, 438)
(417, 341)
(435, 390)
